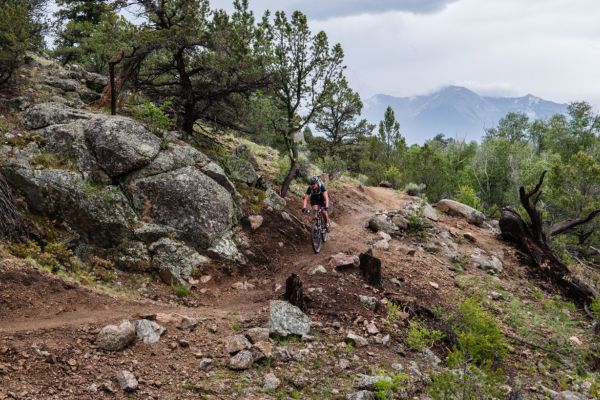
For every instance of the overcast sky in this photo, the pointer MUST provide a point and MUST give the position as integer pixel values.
(549, 48)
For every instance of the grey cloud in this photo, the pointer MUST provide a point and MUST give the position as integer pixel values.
(324, 9)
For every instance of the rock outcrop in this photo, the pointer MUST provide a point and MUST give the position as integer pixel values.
(457, 209)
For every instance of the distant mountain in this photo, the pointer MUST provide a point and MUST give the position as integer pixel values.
(455, 111)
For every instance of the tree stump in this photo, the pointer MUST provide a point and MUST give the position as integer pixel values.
(370, 268)
(294, 292)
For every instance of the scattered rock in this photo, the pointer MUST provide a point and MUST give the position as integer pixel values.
(319, 269)
(272, 199)
(206, 364)
(241, 361)
(256, 335)
(343, 364)
(342, 261)
(115, 338)
(397, 367)
(429, 212)
(242, 286)
(367, 382)
(372, 329)
(361, 395)
(382, 223)
(356, 340)
(368, 301)
(430, 358)
(127, 381)
(287, 319)
(255, 221)
(271, 382)
(400, 222)
(567, 395)
(148, 331)
(492, 265)
(575, 340)
(283, 355)
(434, 285)
(236, 343)
(262, 350)
(470, 237)
(457, 209)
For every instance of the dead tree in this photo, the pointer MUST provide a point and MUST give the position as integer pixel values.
(534, 240)
(294, 292)
(12, 224)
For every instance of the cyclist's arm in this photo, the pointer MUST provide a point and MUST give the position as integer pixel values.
(305, 201)
(326, 195)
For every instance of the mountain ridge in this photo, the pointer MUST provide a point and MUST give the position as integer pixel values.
(455, 111)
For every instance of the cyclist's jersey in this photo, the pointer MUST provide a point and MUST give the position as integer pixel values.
(316, 196)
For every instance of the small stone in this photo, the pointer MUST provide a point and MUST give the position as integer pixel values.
(396, 282)
(397, 367)
(575, 340)
(173, 345)
(257, 334)
(206, 364)
(148, 331)
(355, 339)
(127, 381)
(469, 236)
(361, 395)
(205, 278)
(255, 221)
(242, 286)
(72, 362)
(241, 361)
(367, 382)
(372, 329)
(383, 340)
(495, 296)
(369, 302)
(271, 382)
(262, 350)
(115, 338)
(319, 269)
(213, 328)
(343, 364)
(411, 252)
(236, 343)
(434, 285)
(183, 343)
(282, 355)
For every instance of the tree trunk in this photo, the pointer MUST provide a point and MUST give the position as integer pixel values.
(531, 237)
(370, 268)
(12, 224)
(294, 292)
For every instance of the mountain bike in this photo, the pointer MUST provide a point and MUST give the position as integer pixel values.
(318, 231)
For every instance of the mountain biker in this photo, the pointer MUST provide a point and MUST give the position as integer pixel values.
(319, 198)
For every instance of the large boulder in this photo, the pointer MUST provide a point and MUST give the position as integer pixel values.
(175, 261)
(120, 144)
(200, 211)
(177, 155)
(380, 223)
(240, 166)
(457, 209)
(100, 214)
(287, 319)
(272, 199)
(46, 114)
(115, 338)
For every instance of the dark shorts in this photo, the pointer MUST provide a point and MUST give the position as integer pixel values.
(317, 202)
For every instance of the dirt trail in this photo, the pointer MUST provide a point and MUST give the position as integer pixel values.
(37, 301)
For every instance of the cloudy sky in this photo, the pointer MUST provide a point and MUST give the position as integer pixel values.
(550, 48)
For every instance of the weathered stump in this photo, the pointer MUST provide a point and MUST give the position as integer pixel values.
(294, 292)
(370, 268)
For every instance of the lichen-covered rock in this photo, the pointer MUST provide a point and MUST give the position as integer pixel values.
(46, 114)
(120, 144)
(457, 209)
(200, 211)
(127, 381)
(148, 331)
(236, 343)
(287, 319)
(256, 335)
(361, 395)
(272, 199)
(175, 261)
(382, 223)
(241, 361)
(115, 338)
(367, 382)
(176, 156)
(100, 214)
(242, 170)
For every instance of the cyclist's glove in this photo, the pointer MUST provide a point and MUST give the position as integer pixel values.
(304, 210)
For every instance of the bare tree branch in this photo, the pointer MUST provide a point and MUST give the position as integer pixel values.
(564, 226)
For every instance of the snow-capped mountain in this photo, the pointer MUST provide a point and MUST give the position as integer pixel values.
(455, 111)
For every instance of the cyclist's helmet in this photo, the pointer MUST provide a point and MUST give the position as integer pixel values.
(313, 180)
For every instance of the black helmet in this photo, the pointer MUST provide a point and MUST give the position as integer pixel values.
(313, 180)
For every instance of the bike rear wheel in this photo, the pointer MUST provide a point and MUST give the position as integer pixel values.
(317, 238)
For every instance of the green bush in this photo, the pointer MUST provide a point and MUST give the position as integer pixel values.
(467, 383)
(413, 189)
(384, 389)
(393, 175)
(332, 166)
(595, 307)
(14, 36)
(467, 195)
(156, 118)
(478, 336)
(420, 337)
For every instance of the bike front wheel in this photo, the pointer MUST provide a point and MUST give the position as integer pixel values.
(317, 238)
